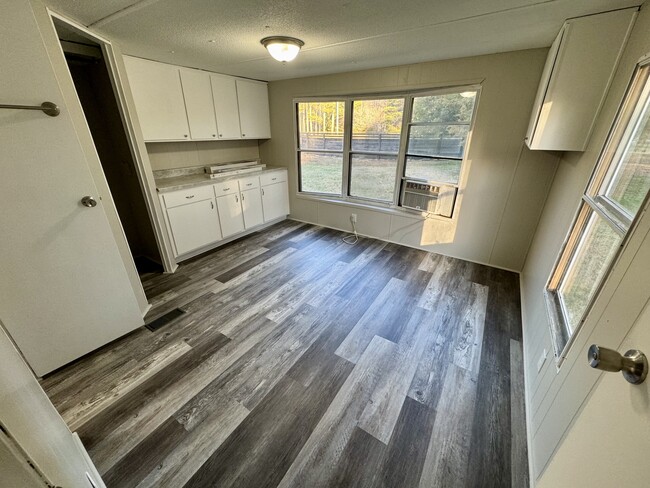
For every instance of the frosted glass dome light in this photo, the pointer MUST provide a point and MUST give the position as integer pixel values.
(282, 48)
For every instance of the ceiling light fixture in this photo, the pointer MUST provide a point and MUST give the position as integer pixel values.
(282, 48)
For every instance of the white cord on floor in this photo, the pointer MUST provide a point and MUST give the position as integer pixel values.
(355, 236)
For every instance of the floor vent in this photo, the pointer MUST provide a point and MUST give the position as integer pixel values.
(164, 319)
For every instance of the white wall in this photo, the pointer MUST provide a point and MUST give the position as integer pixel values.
(506, 185)
(548, 411)
(171, 155)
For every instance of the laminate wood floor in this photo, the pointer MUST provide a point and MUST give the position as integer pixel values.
(301, 361)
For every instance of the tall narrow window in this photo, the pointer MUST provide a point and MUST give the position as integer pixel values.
(376, 127)
(437, 135)
(616, 193)
(320, 146)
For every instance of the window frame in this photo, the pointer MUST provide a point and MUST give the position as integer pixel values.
(393, 206)
(594, 201)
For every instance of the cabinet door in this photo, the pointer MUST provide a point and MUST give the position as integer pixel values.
(158, 97)
(197, 93)
(251, 202)
(194, 225)
(579, 80)
(253, 98)
(275, 201)
(230, 214)
(224, 94)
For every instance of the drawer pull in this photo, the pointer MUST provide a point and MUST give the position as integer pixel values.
(273, 179)
(249, 184)
(226, 189)
(189, 196)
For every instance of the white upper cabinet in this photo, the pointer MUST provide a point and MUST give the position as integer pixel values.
(579, 69)
(197, 93)
(224, 93)
(158, 99)
(253, 98)
(183, 104)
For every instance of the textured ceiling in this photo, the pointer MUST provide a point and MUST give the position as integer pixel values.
(339, 35)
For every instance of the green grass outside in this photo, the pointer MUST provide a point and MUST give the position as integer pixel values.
(370, 177)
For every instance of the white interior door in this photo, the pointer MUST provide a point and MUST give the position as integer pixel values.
(64, 288)
(602, 445)
(35, 432)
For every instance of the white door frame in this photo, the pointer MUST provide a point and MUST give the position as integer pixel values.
(134, 137)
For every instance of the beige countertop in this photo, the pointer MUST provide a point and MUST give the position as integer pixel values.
(164, 185)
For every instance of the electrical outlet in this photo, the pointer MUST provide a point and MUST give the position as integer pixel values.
(353, 218)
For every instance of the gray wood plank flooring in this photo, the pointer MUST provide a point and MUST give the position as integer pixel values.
(301, 361)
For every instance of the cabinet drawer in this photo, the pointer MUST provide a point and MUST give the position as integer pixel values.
(273, 177)
(249, 183)
(182, 197)
(226, 188)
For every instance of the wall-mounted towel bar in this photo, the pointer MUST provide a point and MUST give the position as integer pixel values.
(48, 108)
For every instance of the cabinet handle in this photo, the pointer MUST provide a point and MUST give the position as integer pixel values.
(273, 179)
(189, 196)
(212, 205)
(226, 189)
(249, 184)
(262, 191)
(242, 197)
(236, 198)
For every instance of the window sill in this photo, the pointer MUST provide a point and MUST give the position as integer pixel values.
(387, 208)
(559, 337)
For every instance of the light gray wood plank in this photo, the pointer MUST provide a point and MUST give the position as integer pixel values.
(469, 341)
(382, 412)
(441, 268)
(519, 446)
(446, 463)
(77, 416)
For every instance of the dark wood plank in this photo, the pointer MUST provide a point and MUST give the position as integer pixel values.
(144, 457)
(407, 451)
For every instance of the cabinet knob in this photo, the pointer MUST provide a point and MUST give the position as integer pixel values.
(214, 135)
(220, 135)
(184, 135)
(243, 135)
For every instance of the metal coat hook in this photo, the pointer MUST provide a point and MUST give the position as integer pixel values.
(48, 108)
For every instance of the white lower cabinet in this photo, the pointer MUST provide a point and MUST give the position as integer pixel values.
(251, 203)
(194, 225)
(204, 215)
(275, 201)
(230, 214)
